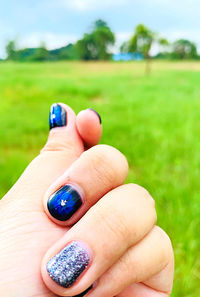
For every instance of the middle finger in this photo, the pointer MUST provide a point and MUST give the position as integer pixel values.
(96, 172)
(116, 222)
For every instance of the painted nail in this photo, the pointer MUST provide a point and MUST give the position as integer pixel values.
(64, 203)
(68, 264)
(85, 292)
(57, 116)
(96, 114)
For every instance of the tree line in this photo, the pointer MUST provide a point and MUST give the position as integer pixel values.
(97, 45)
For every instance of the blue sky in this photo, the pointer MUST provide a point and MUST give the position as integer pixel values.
(58, 22)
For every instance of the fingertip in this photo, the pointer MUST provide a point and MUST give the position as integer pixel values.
(89, 126)
(64, 266)
(63, 134)
(96, 112)
(71, 116)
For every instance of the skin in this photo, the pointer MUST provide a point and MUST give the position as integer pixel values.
(131, 256)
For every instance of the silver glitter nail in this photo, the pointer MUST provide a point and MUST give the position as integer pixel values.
(68, 264)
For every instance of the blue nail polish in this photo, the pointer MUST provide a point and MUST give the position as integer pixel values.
(85, 292)
(64, 203)
(68, 264)
(57, 116)
(96, 114)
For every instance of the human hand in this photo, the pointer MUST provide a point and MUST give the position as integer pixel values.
(118, 236)
(25, 231)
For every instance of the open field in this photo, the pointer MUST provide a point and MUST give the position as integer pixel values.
(154, 121)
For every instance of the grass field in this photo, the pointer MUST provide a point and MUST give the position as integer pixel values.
(154, 121)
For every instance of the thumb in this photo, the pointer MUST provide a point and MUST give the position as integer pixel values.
(63, 134)
(63, 147)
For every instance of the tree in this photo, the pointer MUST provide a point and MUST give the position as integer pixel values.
(124, 48)
(86, 48)
(184, 49)
(164, 47)
(95, 45)
(103, 38)
(142, 41)
(41, 53)
(164, 44)
(26, 54)
(11, 50)
(100, 23)
(67, 52)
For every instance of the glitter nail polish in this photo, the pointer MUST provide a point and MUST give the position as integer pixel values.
(64, 203)
(68, 264)
(57, 116)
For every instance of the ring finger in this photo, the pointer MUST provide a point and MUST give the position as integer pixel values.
(146, 269)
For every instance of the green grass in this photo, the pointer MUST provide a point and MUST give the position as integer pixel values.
(154, 121)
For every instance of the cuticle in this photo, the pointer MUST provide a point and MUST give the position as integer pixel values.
(76, 187)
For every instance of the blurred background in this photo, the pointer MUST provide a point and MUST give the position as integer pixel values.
(138, 64)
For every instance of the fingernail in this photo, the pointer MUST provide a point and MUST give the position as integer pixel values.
(84, 293)
(57, 116)
(68, 264)
(63, 204)
(96, 114)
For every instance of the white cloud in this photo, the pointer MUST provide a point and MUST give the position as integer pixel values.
(35, 39)
(2, 52)
(87, 5)
(171, 35)
(193, 35)
(51, 40)
(121, 37)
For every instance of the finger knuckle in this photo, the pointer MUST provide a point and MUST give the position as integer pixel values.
(56, 143)
(126, 263)
(165, 243)
(114, 225)
(109, 165)
(52, 146)
(143, 195)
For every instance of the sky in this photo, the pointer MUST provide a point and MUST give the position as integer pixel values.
(58, 22)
